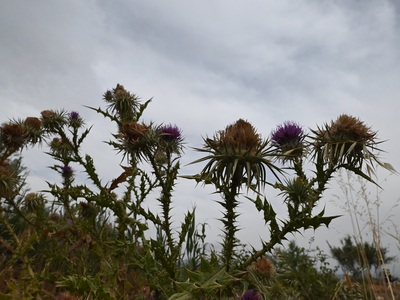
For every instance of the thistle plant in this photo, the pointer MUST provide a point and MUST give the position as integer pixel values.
(78, 216)
(89, 237)
(236, 156)
(160, 146)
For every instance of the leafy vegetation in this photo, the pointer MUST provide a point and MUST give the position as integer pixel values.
(90, 238)
(353, 258)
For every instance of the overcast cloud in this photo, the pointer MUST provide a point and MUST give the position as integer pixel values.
(207, 64)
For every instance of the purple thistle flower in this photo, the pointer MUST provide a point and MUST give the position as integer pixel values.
(288, 134)
(251, 295)
(74, 115)
(170, 133)
(66, 171)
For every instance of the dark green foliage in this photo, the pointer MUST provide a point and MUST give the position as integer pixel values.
(353, 257)
(304, 274)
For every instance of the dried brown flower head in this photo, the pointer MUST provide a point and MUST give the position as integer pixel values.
(237, 155)
(240, 136)
(47, 114)
(61, 147)
(347, 141)
(349, 128)
(121, 93)
(34, 202)
(134, 131)
(263, 267)
(13, 135)
(32, 122)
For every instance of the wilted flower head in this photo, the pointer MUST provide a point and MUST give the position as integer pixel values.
(263, 267)
(251, 295)
(349, 129)
(33, 123)
(52, 119)
(170, 133)
(48, 114)
(33, 127)
(137, 139)
(9, 179)
(240, 136)
(237, 155)
(134, 131)
(289, 135)
(345, 140)
(34, 202)
(12, 135)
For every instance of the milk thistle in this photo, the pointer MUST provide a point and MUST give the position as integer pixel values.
(75, 120)
(288, 139)
(236, 156)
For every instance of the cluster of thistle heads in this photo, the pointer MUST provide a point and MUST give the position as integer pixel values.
(124, 107)
(137, 138)
(16, 134)
(344, 142)
(242, 137)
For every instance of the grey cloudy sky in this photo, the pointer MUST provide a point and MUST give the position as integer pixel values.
(207, 64)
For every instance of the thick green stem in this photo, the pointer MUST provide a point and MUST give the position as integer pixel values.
(230, 205)
(166, 185)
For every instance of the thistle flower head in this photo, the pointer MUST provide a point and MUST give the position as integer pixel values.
(237, 155)
(61, 147)
(298, 191)
(122, 103)
(33, 123)
(75, 120)
(33, 128)
(34, 202)
(137, 139)
(134, 131)
(240, 136)
(12, 135)
(74, 115)
(251, 295)
(263, 267)
(170, 133)
(53, 119)
(288, 135)
(48, 114)
(10, 177)
(345, 141)
(170, 138)
(66, 171)
(348, 128)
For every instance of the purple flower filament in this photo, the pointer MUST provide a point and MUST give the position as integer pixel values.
(66, 171)
(288, 134)
(251, 295)
(74, 115)
(170, 133)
